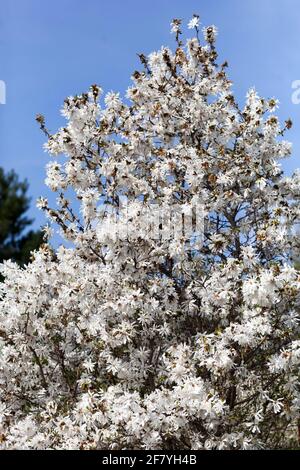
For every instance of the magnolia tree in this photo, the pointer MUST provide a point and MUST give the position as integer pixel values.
(178, 331)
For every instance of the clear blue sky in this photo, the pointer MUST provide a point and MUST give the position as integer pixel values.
(51, 49)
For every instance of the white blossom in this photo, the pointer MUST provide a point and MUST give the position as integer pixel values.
(194, 22)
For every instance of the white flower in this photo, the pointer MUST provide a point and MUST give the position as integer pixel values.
(175, 26)
(42, 203)
(89, 365)
(261, 183)
(277, 406)
(194, 22)
(48, 232)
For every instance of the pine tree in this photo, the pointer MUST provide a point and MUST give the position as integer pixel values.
(15, 242)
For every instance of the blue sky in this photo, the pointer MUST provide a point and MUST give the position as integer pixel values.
(52, 49)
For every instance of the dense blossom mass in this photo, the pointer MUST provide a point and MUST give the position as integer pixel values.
(123, 340)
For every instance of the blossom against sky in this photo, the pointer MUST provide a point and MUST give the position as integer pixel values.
(50, 50)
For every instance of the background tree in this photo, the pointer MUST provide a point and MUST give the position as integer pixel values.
(15, 242)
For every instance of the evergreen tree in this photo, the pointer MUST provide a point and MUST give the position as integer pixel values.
(15, 243)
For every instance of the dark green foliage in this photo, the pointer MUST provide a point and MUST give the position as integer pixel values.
(15, 242)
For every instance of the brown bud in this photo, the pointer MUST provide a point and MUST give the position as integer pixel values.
(40, 119)
(288, 123)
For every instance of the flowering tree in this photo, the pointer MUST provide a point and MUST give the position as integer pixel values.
(187, 341)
